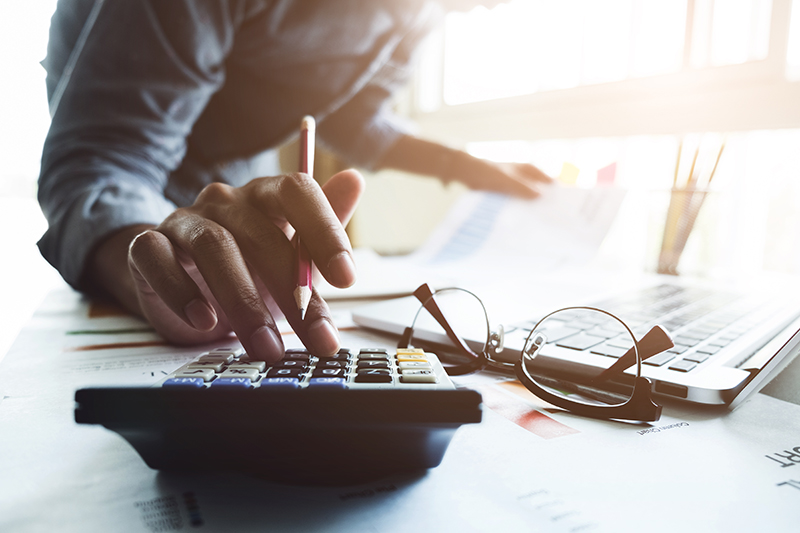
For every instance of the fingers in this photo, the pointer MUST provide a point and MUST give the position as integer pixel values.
(273, 257)
(522, 179)
(234, 245)
(301, 201)
(219, 261)
(152, 257)
(516, 179)
(343, 192)
(532, 173)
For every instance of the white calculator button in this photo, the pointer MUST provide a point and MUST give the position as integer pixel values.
(258, 365)
(225, 358)
(236, 352)
(216, 366)
(418, 365)
(251, 373)
(206, 373)
(418, 376)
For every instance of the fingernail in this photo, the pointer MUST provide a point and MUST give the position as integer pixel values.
(342, 270)
(201, 315)
(266, 345)
(323, 337)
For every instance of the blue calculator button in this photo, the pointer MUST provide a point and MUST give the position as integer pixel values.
(243, 383)
(326, 382)
(291, 383)
(197, 383)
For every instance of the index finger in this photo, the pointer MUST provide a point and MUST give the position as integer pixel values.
(300, 200)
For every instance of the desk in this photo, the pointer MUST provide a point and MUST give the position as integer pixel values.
(694, 470)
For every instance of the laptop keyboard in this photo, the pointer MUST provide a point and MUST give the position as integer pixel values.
(701, 322)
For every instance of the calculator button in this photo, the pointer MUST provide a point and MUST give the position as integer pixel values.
(421, 365)
(373, 364)
(195, 383)
(204, 373)
(290, 383)
(216, 366)
(285, 372)
(251, 373)
(344, 351)
(373, 357)
(416, 372)
(296, 351)
(322, 363)
(372, 351)
(290, 364)
(327, 382)
(258, 365)
(418, 378)
(243, 383)
(296, 356)
(374, 375)
(233, 352)
(410, 351)
(217, 357)
(336, 357)
(411, 357)
(330, 372)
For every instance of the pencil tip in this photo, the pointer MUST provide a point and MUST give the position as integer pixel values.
(302, 314)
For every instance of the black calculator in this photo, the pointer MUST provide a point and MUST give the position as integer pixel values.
(354, 417)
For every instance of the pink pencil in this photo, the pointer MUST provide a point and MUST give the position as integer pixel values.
(302, 294)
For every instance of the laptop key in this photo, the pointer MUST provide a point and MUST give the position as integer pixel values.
(682, 365)
(697, 357)
(581, 341)
(659, 359)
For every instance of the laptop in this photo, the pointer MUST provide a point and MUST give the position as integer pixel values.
(728, 344)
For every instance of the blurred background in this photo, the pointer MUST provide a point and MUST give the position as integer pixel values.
(584, 89)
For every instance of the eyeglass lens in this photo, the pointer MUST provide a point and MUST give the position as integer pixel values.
(569, 351)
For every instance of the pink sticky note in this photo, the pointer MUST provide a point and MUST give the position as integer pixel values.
(607, 174)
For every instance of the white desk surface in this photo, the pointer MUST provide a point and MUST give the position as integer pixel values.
(695, 470)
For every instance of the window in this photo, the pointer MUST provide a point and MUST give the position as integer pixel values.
(601, 84)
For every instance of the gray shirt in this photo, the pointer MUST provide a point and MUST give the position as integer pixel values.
(153, 100)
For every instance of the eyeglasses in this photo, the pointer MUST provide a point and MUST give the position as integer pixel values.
(582, 359)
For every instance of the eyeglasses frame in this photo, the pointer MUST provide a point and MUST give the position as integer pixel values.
(638, 407)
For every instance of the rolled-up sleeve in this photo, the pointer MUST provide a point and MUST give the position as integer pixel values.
(127, 104)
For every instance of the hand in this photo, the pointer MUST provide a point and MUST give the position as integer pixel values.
(425, 157)
(518, 179)
(221, 264)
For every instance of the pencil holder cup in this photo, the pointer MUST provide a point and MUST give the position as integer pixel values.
(684, 206)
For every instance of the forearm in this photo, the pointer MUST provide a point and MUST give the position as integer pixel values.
(431, 159)
(419, 156)
(120, 127)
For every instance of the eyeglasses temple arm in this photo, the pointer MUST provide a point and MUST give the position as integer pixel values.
(653, 343)
(425, 296)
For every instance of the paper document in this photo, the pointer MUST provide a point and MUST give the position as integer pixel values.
(526, 467)
(492, 235)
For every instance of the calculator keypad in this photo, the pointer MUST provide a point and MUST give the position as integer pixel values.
(368, 368)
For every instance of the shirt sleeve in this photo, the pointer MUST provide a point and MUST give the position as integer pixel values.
(128, 99)
(365, 127)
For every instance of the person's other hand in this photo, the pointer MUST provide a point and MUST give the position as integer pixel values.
(412, 154)
(518, 179)
(220, 264)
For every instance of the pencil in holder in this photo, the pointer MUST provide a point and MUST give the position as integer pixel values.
(684, 206)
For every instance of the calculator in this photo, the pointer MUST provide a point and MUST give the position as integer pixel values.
(351, 418)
